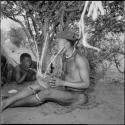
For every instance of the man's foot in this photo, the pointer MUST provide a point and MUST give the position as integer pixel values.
(4, 104)
(5, 97)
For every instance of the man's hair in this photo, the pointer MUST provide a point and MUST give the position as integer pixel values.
(69, 36)
(22, 56)
(72, 42)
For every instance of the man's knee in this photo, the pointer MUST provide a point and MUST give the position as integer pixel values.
(46, 93)
(35, 87)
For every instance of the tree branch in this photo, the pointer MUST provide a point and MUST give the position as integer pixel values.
(25, 30)
(71, 10)
(28, 26)
(34, 21)
(62, 18)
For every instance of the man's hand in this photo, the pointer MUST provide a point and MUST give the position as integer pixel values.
(32, 70)
(54, 82)
(24, 71)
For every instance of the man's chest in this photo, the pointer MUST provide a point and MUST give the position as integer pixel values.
(70, 67)
(71, 72)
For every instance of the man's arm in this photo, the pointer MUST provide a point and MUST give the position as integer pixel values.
(83, 67)
(33, 70)
(20, 79)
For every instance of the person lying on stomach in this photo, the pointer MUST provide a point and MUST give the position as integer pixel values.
(26, 70)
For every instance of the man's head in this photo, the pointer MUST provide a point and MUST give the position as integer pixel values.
(66, 40)
(25, 60)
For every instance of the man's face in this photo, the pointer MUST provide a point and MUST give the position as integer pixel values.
(62, 44)
(26, 62)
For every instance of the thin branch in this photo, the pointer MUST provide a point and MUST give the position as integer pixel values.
(28, 26)
(71, 10)
(62, 18)
(34, 21)
(25, 30)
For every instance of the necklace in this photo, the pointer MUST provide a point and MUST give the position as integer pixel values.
(71, 54)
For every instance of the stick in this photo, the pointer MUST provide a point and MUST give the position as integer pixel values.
(43, 52)
(51, 61)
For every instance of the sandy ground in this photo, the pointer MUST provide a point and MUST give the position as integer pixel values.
(108, 95)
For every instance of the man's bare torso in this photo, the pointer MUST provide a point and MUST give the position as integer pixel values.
(71, 70)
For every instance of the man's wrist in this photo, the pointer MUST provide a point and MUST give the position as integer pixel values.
(64, 83)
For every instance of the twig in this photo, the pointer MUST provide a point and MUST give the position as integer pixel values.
(51, 61)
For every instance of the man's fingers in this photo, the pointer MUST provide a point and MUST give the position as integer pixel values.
(52, 84)
(52, 80)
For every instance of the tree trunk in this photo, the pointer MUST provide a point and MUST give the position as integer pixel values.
(45, 45)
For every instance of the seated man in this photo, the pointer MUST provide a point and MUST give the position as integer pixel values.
(67, 91)
(26, 70)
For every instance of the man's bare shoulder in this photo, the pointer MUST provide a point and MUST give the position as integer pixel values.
(82, 61)
(81, 58)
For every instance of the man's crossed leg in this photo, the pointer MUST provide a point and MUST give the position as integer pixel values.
(35, 95)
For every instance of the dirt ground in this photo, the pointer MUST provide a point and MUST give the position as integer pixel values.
(107, 107)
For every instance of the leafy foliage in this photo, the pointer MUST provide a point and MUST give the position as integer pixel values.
(51, 16)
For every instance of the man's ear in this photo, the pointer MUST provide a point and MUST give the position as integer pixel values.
(66, 46)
